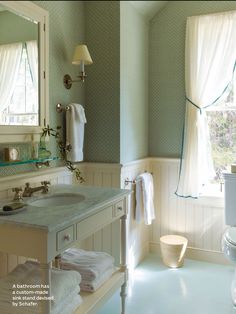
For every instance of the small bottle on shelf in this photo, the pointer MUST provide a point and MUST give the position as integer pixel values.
(34, 148)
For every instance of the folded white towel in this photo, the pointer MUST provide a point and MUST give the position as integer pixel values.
(93, 285)
(147, 195)
(63, 283)
(75, 120)
(90, 264)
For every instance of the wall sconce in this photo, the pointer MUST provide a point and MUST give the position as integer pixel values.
(81, 57)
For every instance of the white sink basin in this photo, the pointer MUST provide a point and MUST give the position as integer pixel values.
(58, 200)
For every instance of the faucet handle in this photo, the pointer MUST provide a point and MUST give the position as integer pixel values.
(16, 190)
(45, 186)
(18, 194)
(27, 188)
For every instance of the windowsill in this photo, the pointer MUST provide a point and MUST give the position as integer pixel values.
(219, 195)
(213, 190)
(211, 196)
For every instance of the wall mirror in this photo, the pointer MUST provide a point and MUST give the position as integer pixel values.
(23, 70)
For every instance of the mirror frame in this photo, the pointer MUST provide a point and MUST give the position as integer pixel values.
(17, 134)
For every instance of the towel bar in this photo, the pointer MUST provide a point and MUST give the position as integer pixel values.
(128, 181)
(60, 108)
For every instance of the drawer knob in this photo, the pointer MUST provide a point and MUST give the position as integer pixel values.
(67, 237)
(120, 208)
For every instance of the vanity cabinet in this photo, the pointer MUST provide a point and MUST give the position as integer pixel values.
(44, 233)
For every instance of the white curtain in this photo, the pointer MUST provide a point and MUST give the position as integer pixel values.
(210, 55)
(10, 56)
(32, 53)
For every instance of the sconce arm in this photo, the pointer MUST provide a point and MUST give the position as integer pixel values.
(67, 80)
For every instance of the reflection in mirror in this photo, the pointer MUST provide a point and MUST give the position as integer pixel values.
(19, 100)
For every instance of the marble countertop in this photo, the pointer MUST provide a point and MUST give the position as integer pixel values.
(53, 218)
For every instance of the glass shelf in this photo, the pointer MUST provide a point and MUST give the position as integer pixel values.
(30, 161)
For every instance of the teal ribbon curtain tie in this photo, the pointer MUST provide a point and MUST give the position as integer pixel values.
(191, 102)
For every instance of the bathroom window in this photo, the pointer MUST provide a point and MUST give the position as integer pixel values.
(208, 142)
(221, 120)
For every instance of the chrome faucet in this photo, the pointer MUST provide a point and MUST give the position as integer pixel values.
(28, 191)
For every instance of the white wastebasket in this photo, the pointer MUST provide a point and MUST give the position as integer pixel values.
(173, 248)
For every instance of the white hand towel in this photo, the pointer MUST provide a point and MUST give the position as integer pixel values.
(75, 120)
(148, 197)
(139, 201)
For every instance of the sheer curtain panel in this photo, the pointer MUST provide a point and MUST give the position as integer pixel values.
(10, 56)
(32, 53)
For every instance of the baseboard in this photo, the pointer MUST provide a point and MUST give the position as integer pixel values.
(196, 254)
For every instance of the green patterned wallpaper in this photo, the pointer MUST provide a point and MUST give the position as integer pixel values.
(102, 133)
(133, 84)
(66, 29)
(111, 134)
(19, 29)
(166, 80)
(116, 87)
(116, 107)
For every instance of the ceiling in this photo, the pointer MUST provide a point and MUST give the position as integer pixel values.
(148, 8)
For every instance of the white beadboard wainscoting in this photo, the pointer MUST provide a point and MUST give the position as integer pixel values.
(138, 232)
(114, 175)
(103, 175)
(201, 220)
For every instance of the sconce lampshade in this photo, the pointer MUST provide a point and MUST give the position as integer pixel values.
(81, 57)
(82, 54)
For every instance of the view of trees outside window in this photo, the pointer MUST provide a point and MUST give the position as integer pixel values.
(23, 109)
(222, 128)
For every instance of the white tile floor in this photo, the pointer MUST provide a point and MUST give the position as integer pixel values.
(197, 288)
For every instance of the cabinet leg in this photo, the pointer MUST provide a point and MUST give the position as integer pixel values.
(123, 262)
(46, 286)
(123, 296)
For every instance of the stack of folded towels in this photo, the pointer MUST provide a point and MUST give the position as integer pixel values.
(94, 267)
(64, 288)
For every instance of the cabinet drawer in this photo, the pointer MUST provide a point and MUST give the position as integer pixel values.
(94, 223)
(119, 209)
(65, 237)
